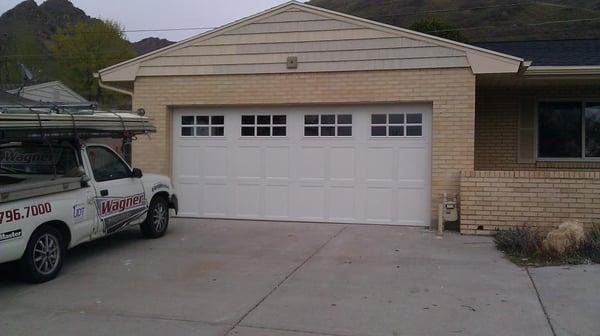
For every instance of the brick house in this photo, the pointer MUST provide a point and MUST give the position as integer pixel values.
(304, 114)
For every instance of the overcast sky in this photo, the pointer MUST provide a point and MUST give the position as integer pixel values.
(162, 14)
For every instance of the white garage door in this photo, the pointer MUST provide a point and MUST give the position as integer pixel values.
(354, 164)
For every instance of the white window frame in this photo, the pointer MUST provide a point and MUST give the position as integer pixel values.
(270, 125)
(582, 158)
(195, 125)
(404, 125)
(335, 125)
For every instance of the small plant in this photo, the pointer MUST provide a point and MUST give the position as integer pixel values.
(590, 248)
(520, 241)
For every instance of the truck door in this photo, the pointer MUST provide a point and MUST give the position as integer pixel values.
(120, 197)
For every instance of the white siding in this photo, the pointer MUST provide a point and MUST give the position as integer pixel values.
(320, 43)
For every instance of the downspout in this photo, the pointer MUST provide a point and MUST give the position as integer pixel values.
(109, 87)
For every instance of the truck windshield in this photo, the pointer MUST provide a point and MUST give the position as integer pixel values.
(38, 159)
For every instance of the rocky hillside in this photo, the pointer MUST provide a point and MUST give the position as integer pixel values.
(150, 44)
(485, 20)
(26, 34)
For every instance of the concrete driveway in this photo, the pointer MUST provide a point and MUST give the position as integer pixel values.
(211, 277)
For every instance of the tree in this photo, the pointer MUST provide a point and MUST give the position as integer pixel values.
(439, 28)
(86, 47)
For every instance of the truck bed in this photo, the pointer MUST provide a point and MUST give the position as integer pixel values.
(18, 187)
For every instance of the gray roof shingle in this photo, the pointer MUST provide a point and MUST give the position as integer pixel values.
(551, 52)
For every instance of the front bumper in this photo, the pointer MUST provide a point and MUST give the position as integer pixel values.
(174, 203)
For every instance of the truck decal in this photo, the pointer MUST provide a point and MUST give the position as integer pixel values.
(79, 212)
(118, 212)
(11, 235)
(13, 215)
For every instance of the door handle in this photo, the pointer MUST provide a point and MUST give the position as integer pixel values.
(104, 192)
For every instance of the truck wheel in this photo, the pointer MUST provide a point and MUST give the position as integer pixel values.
(157, 221)
(44, 256)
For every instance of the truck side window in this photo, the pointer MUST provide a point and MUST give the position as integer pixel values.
(106, 165)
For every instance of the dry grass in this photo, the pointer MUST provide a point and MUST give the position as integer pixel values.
(523, 246)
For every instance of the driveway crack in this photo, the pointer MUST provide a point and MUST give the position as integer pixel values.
(280, 283)
(537, 293)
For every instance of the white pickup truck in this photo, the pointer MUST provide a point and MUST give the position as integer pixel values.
(55, 195)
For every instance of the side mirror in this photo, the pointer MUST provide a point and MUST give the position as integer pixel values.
(136, 173)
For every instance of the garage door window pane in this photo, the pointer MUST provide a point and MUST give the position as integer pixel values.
(378, 119)
(328, 119)
(397, 119)
(218, 120)
(187, 120)
(187, 131)
(396, 131)
(327, 131)
(263, 131)
(201, 131)
(311, 119)
(311, 131)
(414, 130)
(202, 120)
(218, 131)
(345, 119)
(344, 131)
(414, 118)
(247, 131)
(279, 131)
(378, 131)
(279, 120)
(248, 120)
(263, 120)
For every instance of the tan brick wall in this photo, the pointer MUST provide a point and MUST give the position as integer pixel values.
(496, 126)
(492, 200)
(452, 92)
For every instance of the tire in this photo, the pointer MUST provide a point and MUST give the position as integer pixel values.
(157, 220)
(44, 256)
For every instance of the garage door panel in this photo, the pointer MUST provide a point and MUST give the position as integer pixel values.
(357, 179)
(189, 206)
(248, 162)
(341, 201)
(380, 164)
(216, 166)
(312, 162)
(248, 200)
(409, 164)
(191, 157)
(277, 201)
(343, 163)
(380, 205)
(214, 200)
(277, 163)
(310, 203)
(412, 204)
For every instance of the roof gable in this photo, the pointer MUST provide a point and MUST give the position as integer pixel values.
(55, 92)
(322, 40)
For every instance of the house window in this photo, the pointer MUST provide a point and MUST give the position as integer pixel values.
(569, 130)
(264, 125)
(397, 125)
(202, 126)
(328, 125)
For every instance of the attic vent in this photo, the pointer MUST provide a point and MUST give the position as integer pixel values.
(292, 62)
